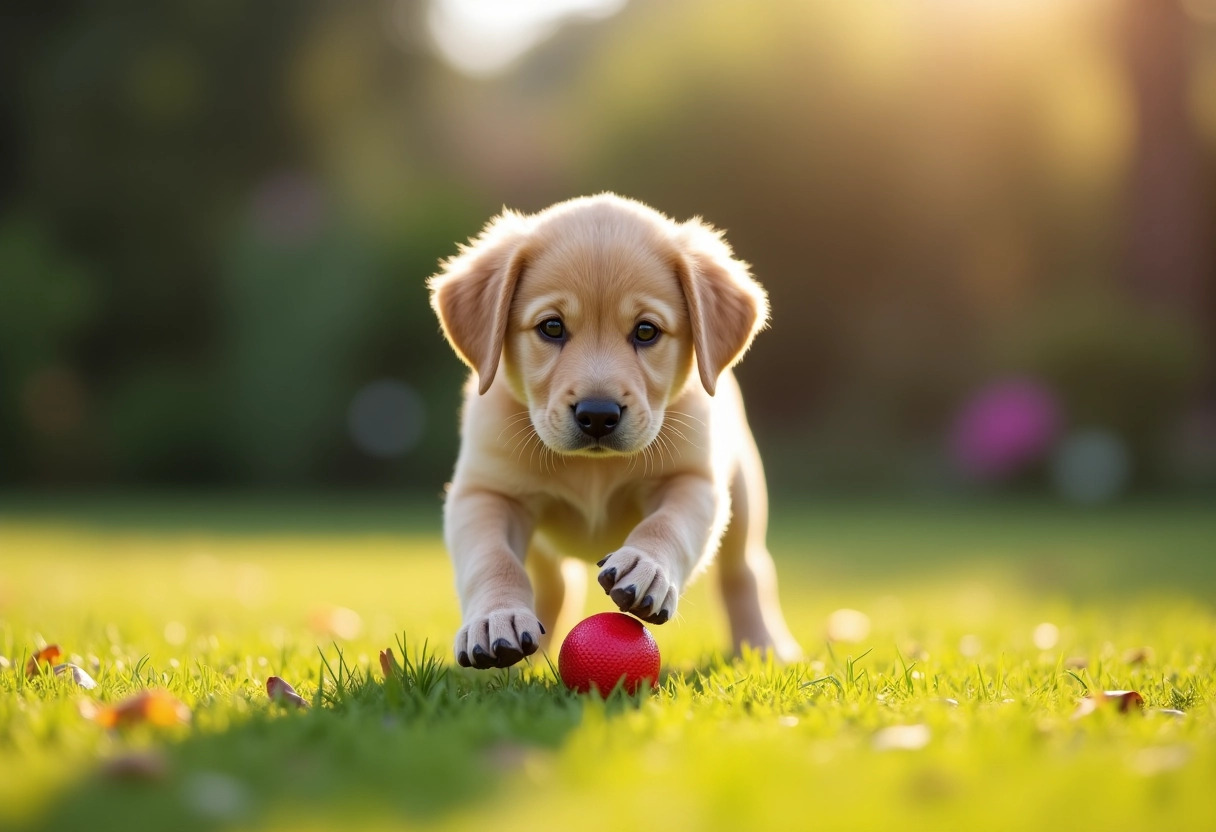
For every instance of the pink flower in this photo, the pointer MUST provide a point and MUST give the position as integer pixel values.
(1004, 427)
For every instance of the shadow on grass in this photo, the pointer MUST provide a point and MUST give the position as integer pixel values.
(369, 749)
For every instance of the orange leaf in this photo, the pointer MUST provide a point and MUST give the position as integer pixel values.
(1123, 701)
(280, 691)
(47, 655)
(154, 707)
(388, 664)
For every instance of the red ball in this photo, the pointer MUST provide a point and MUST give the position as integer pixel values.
(608, 648)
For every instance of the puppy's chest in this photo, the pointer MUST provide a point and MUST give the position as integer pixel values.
(591, 520)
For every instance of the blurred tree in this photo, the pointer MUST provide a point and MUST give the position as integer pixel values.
(45, 300)
(239, 206)
(1172, 251)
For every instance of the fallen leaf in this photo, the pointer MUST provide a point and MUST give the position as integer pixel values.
(154, 707)
(280, 691)
(388, 664)
(78, 675)
(47, 655)
(1124, 701)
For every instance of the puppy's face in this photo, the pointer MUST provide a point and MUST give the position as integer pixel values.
(598, 341)
(597, 310)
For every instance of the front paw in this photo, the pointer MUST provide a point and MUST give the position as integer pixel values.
(499, 639)
(638, 584)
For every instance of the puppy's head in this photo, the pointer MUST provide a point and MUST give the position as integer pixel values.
(595, 313)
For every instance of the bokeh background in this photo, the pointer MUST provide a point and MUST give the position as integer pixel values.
(987, 227)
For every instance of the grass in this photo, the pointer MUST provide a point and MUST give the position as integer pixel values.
(208, 598)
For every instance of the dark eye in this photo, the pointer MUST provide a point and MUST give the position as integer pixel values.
(552, 329)
(645, 333)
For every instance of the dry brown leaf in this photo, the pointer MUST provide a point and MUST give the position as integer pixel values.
(47, 655)
(152, 707)
(280, 691)
(1123, 701)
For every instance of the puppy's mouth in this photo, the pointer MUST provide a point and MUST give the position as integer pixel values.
(605, 446)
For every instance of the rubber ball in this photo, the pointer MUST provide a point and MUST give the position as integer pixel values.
(606, 649)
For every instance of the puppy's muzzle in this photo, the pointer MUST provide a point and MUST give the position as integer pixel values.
(597, 417)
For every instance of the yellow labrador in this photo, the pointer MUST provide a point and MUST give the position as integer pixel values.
(602, 423)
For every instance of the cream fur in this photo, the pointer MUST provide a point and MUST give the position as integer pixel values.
(651, 501)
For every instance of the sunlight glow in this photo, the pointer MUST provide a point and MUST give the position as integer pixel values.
(483, 37)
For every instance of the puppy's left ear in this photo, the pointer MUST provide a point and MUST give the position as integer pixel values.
(472, 293)
(726, 305)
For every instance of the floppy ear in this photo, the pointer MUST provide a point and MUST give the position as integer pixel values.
(726, 305)
(472, 293)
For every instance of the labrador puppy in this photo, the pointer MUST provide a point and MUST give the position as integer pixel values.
(602, 423)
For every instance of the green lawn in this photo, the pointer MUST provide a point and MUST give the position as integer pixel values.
(208, 597)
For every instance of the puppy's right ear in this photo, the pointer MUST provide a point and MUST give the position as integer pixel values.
(472, 293)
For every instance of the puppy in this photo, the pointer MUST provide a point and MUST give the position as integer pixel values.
(602, 423)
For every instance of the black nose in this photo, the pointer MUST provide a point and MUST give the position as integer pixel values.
(597, 417)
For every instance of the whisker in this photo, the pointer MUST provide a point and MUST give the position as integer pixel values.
(633, 462)
(676, 425)
(679, 433)
(525, 435)
(666, 447)
(681, 413)
(685, 425)
(513, 421)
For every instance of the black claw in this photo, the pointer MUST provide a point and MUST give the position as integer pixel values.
(542, 627)
(607, 578)
(527, 643)
(646, 605)
(659, 617)
(505, 655)
(463, 659)
(602, 560)
(481, 659)
(624, 598)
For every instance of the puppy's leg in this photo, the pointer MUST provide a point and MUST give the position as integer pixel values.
(561, 589)
(746, 573)
(646, 575)
(487, 536)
